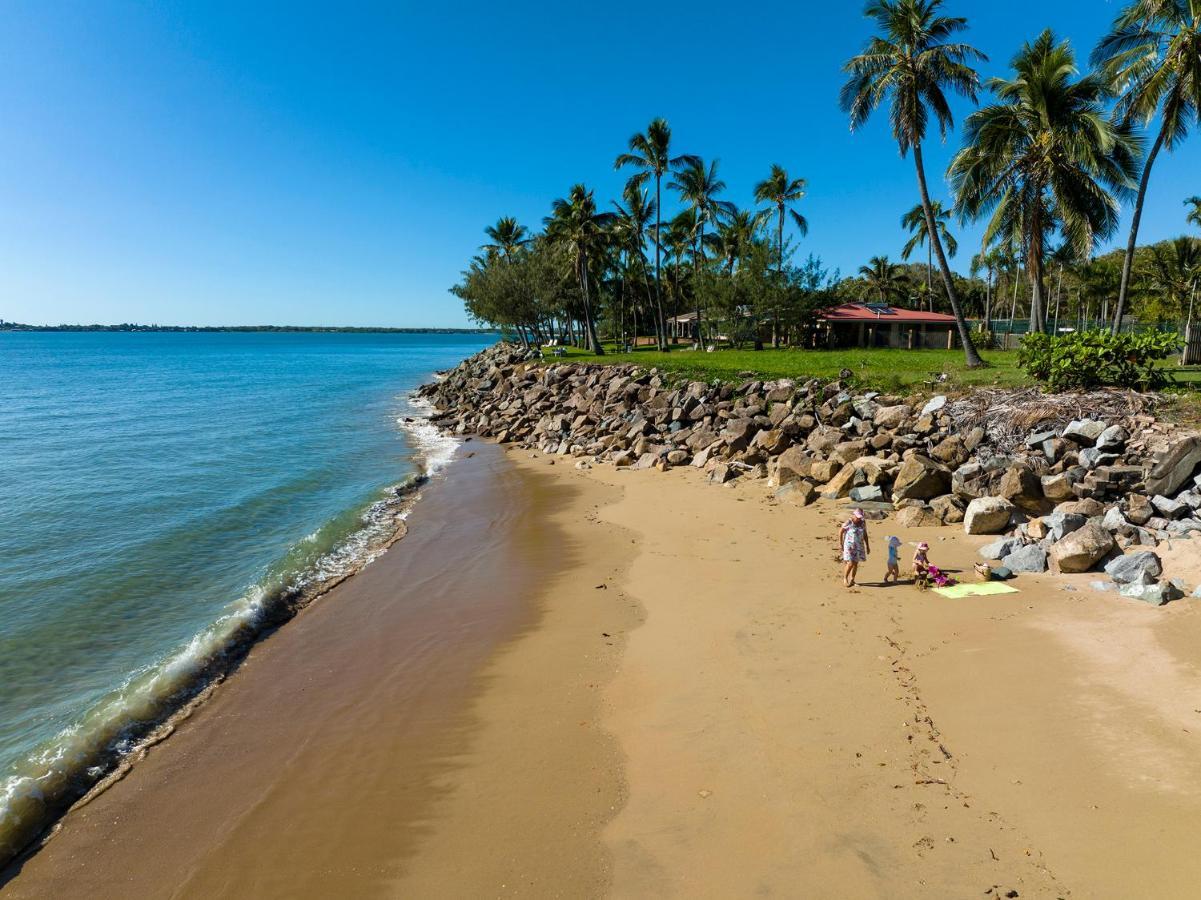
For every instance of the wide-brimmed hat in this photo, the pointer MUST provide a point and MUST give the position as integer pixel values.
(923, 546)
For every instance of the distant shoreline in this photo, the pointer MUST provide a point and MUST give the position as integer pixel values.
(16, 326)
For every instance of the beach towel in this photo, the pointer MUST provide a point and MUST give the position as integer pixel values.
(957, 591)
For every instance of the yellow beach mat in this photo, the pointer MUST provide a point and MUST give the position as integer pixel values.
(979, 589)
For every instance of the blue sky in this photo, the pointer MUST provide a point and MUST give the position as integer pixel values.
(305, 163)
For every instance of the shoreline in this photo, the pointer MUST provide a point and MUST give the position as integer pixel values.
(722, 717)
(272, 762)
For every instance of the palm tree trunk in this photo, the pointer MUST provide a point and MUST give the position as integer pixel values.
(930, 275)
(970, 355)
(1128, 261)
(1038, 323)
(775, 303)
(594, 345)
(697, 249)
(661, 320)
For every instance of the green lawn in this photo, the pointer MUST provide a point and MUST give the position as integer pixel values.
(879, 369)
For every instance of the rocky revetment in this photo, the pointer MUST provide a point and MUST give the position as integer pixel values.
(1068, 483)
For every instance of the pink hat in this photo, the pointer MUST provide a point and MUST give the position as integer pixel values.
(857, 514)
(923, 546)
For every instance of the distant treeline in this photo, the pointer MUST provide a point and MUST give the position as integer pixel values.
(129, 326)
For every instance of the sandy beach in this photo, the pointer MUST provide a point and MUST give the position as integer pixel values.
(571, 683)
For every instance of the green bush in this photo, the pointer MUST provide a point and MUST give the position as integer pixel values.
(1088, 359)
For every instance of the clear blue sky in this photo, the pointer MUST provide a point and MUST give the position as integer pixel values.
(303, 163)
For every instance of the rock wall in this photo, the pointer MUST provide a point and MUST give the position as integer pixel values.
(1071, 494)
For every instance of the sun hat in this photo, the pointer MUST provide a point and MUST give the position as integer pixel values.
(857, 514)
(923, 546)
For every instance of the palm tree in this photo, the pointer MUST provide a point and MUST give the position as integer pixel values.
(650, 152)
(575, 224)
(1175, 270)
(735, 235)
(883, 278)
(914, 222)
(913, 62)
(990, 262)
(1194, 214)
(699, 186)
(781, 192)
(1152, 55)
(1045, 157)
(631, 225)
(506, 237)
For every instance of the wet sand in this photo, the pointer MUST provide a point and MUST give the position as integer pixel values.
(656, 687)
(318, 769)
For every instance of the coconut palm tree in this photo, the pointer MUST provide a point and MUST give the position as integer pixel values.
(883, 279)
(913, 62)
(650, 153)
(506, 237)
(633, 221)
(781, 192)
(1175, 270)
(699, 186)
(575, 224)
(914, 222)
(734, 237)
(1045, 157)
(1152, 54)
(1194, 214)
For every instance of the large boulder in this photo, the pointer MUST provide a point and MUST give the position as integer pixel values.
(1022, 488)
(1175, 467)
(920, 478)
(892, 417)
(1061, 524)
(1031, 558)
(800, 492)
(1082, 549)
(1141, 567)
(987, 515)
(917, 517)
(793, 465)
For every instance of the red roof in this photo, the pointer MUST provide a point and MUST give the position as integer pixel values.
(882, 312)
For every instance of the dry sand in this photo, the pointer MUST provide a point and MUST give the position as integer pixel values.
(657, 687)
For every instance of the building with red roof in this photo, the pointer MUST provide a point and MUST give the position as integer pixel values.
(882, 325)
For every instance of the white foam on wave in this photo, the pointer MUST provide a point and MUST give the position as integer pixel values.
(436, 448)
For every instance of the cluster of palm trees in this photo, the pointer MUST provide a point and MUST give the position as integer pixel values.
(1048, 163)
(606, 251)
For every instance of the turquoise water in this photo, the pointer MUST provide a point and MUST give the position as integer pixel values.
(160, 496)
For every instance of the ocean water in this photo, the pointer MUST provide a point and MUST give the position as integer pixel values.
(164, 497)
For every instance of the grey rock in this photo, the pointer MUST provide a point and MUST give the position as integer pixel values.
(1184, 526)
(1000, 548)
(934, 405)
(1114, 520)
(1031, 558)
(1084, 431)
(867, 493)
(1175, 467)
(1142, 567)
(1038, 438)
(1155, 594)
(1112, 439)
(1168, 508)
(1060, 524)
(1092, 457)
(1103, 586)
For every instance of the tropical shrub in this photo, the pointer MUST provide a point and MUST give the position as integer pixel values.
(1087, 359)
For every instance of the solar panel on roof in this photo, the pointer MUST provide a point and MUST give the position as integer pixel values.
(881, 309)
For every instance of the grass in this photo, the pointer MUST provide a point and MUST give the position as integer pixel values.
(877, 369)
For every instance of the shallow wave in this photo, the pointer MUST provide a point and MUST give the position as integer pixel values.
(133, 716)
